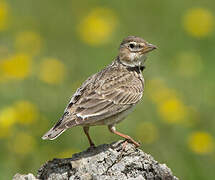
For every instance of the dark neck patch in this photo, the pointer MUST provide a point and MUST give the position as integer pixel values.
(142, 68)
(138, 69)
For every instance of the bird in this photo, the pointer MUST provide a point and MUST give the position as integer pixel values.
(107, 97)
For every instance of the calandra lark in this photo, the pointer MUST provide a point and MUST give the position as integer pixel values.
(108, 96)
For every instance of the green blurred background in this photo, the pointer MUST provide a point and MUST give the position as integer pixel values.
(48, 48)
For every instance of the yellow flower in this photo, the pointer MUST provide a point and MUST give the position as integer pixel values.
(7, 117)
(97, 27)
(147, 132)
(28, 42)
(23, 143)
(16, 67)
(189, 64)
(26, 112)
(201, 142)
(198, 22)
(52, 71)
(173, 111)
(169, 106)
(3, 15)
(7, 120)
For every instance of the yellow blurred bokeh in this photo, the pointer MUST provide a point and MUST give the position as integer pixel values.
(201, 142)
(4, 11)
(198, 22)
(28, 42)
(172, 111)
(16, 67)
(22, 112)
(97, 27)
(7, 120)
(170, 107)
(26, 112)
(52, 71)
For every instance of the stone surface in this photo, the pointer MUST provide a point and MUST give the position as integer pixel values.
(24, 177)
(105, 162)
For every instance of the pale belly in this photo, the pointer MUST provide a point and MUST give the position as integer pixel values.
(113, 119)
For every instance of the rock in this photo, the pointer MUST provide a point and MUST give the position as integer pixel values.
(106, 162)
(24, 177)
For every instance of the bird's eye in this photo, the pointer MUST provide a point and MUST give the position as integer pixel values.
(131, 46)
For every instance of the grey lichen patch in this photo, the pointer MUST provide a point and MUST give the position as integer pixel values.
(106, 162)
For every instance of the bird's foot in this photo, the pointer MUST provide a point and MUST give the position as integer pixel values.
(92, 146)
(136, 144)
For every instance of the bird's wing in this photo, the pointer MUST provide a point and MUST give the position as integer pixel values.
(103, 95)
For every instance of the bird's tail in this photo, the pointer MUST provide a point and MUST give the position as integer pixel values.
(53, 133)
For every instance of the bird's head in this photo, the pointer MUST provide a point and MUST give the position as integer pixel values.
(132, 49)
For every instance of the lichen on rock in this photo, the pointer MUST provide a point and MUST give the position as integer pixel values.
(105, 162)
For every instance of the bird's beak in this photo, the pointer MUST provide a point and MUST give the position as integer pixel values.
(148, 48)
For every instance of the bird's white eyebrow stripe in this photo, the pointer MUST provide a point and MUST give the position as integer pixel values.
(133, 42)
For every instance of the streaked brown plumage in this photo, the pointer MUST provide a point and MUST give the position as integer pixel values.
(107, 97)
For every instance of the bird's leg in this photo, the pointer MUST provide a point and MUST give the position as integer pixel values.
(86, 131)
(113, 130)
